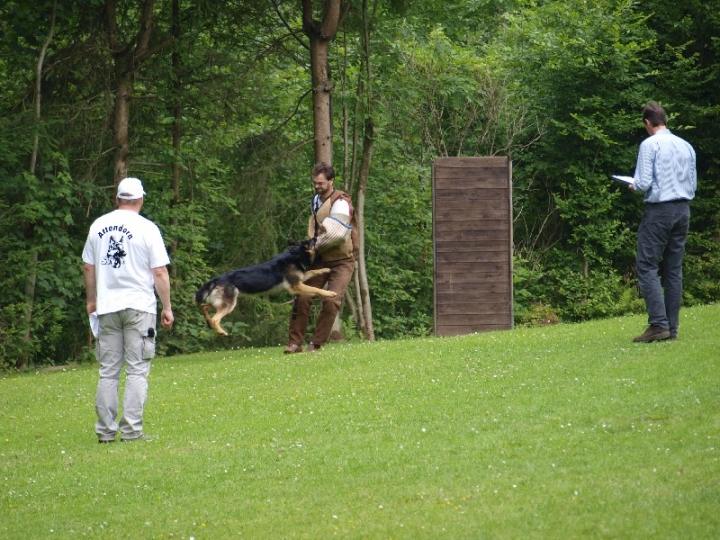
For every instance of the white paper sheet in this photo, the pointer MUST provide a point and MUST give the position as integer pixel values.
(94, 323)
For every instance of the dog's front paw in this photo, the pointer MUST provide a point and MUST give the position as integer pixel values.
(324, 271)
(332, 294)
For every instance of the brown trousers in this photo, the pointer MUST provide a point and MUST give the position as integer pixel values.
(337, 280)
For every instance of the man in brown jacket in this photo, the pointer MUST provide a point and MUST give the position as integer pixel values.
(330, 222)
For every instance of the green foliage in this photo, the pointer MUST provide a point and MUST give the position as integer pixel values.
(458, 101)
(585, 297)
(539, 315)
(529, 300)
(401, 298)
(39, 247)
(701, 270)
(13, 344)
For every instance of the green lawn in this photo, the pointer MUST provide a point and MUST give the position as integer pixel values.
(564, 432)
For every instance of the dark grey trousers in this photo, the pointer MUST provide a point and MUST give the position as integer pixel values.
(661, 241)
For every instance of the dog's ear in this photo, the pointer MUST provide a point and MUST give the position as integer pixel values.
(292, 243)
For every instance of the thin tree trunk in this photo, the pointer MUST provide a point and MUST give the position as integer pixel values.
(322, 109)
(321, 34)
(30, 282)
(368, 138)
(360, 216)
(123, 95)
(357, 307)
(177, 124)
(347, 177)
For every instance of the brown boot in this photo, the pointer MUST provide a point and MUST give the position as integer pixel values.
(293, 348)
(312, 347)
(653, 333)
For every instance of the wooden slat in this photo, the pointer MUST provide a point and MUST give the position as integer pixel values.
(470, 224)
(463, 193)
(476, 245)
(448, 236)
(466, 308)
(457, 211)
(462, 268)
(445, 257)
(472, 162)
(478, 319)
(486, 183)
(471, 195)
(474, 291)
(448, 282)
(444, 330)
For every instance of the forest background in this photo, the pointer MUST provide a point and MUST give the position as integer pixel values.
(211, 103)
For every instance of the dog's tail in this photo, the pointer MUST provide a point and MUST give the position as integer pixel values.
(204, 291)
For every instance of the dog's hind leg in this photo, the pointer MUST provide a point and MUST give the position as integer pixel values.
(205, 308)
(215, 322)
(223, 310)
(223, 299)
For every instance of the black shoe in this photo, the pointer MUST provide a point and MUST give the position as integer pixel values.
(653, 333)
(106, 441)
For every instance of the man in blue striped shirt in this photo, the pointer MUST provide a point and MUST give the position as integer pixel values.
(666, 173)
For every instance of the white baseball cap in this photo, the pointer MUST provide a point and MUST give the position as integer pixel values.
(130, 188)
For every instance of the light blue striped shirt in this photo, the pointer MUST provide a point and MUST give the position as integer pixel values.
(666, 169)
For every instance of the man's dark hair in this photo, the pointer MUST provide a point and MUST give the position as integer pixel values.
(324, 168)
(655, 114)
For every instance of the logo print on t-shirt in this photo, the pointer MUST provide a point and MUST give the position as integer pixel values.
(115, 254)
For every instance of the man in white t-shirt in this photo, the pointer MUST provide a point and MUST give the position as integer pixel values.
(124, 265)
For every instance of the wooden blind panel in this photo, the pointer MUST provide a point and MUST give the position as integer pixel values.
(472, 241)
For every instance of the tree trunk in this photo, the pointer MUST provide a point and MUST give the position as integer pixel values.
(320, 34)
(364, 289)
(30, 282)
(177, 124)
(123, 95)
(128, 57)
(364, 303)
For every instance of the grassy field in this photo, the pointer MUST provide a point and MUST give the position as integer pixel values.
(564, 432)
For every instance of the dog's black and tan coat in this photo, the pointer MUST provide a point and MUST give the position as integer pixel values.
(288, 271)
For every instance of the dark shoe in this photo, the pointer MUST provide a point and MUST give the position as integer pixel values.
(293, 348)
(142, 437)
(312, 347)
(653, 333)
(106, 441)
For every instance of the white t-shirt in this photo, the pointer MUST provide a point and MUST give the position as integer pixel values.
(340, 206)
(124, 247)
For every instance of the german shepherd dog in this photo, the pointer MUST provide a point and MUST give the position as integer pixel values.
(288, 271)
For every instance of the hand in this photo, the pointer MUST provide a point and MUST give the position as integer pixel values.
(91, 306)
(167, 318)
